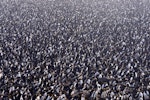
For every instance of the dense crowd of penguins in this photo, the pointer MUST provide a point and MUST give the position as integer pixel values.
(74, 49)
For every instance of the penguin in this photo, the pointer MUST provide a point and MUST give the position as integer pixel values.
(1, 73)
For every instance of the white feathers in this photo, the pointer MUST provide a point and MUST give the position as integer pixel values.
(88, 81)
(19, 74)
(44, 96)
(62, 97)
(40, 80)
(83, 98)
(140, 96)
(11, 89)
(124, 97)
(116, 68)
(21, 98)
(104, 94)
(1, 73)
(49, 98)
(112, 94)
(146, 95)
(74, 93)
(123, 43)
(38, 97)
(100, 76)
(81, 82)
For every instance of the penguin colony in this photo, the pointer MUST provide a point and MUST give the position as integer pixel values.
(74, 50)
